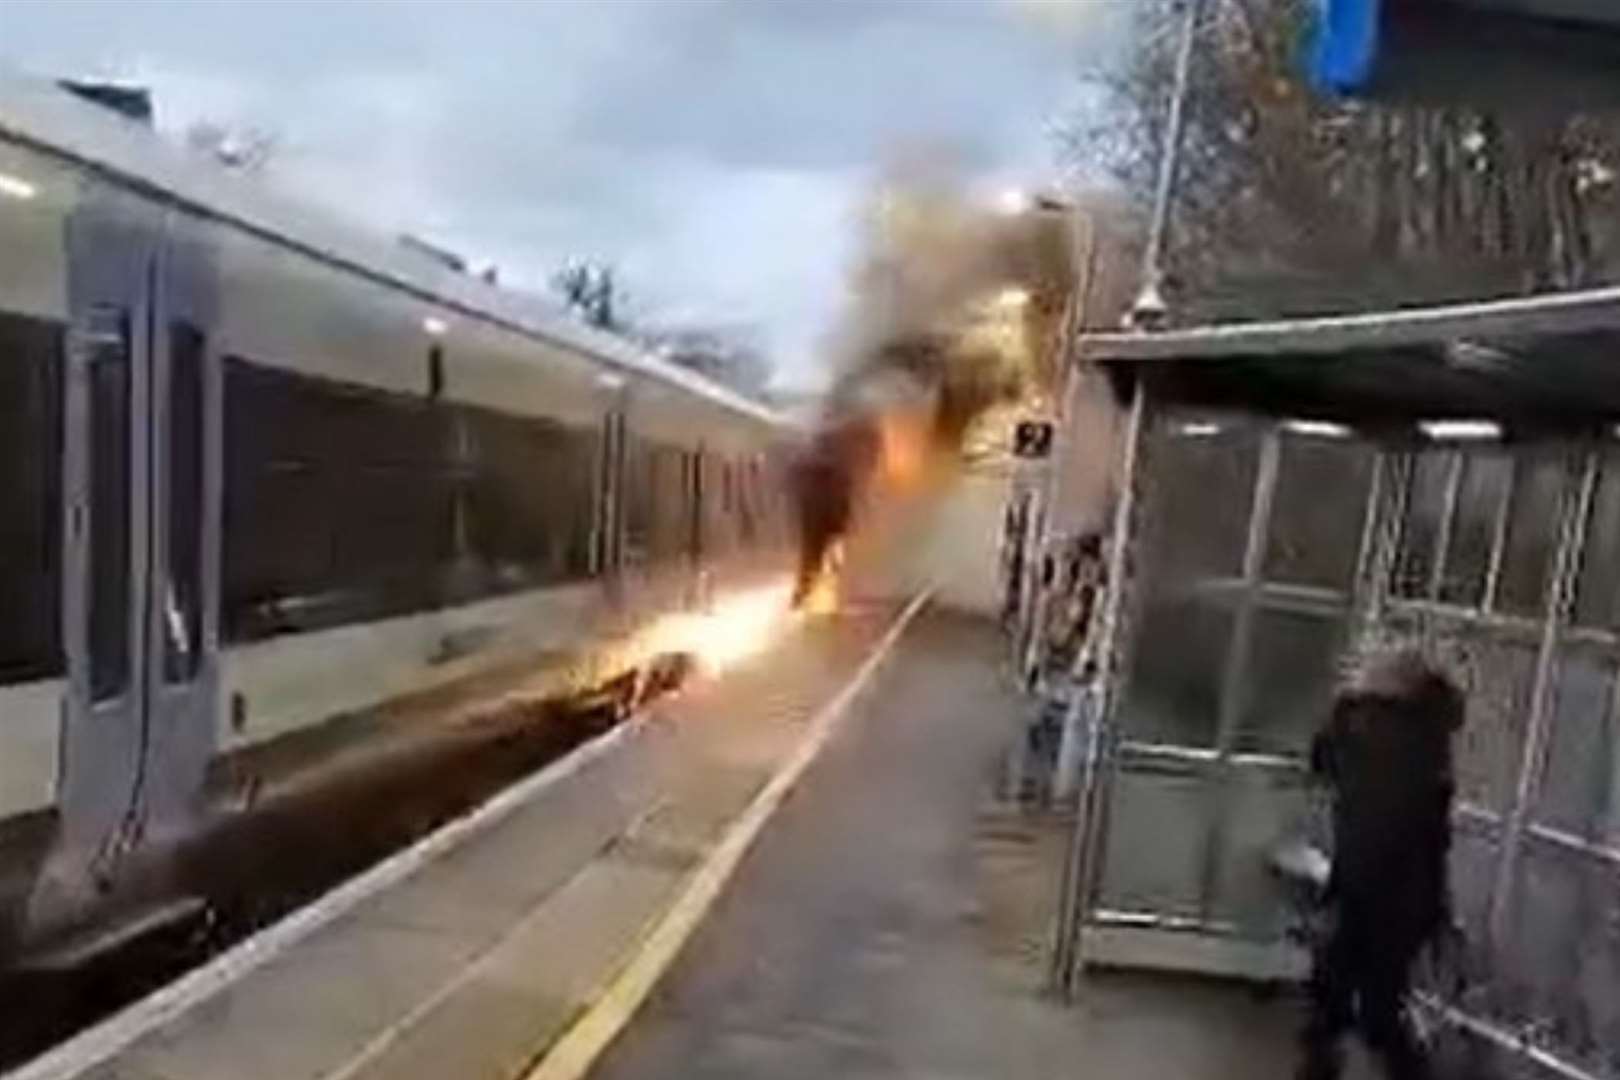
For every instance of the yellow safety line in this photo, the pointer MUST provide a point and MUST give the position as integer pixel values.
(578, 1049)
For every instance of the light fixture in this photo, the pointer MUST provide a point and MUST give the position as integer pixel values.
(1321, 429)
(1471, 354)
(1197, 429)
(1012, 297)
(435, 326)
(15, 187)
(1461, 430)
(610, 382)
(1013, 201)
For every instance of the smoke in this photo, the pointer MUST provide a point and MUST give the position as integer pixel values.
(956, 307)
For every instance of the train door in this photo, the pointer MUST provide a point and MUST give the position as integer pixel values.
(183, 498)
(141, 521)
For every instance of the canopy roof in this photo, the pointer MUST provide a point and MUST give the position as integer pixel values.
(1545, 362)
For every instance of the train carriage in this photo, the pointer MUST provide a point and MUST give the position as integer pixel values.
(260, 471)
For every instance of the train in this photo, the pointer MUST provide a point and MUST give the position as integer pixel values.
(266, 479)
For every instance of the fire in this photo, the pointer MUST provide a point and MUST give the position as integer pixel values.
(727, 632)
(824, 596)
(903, 436)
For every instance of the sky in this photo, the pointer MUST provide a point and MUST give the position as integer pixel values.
(716, 152)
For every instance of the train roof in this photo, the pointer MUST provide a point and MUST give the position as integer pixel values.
(43, 115)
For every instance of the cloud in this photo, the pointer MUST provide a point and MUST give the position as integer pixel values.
(715, 149)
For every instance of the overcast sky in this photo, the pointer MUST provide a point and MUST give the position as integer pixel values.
(715, 151)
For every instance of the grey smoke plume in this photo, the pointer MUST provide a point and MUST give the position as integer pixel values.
(956, 305)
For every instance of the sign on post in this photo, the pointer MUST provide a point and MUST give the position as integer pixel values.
(1032, 439)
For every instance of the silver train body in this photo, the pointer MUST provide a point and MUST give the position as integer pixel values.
(259, 471)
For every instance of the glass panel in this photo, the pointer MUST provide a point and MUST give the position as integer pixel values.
(182, 601)
(1157, 824)
(30, 499)
(1578, 791)
(1473, 863)
(1599, 583)
(1563, 956)
(1175, 688)
(1497, 678)
(1201, 488)
(1414, 564)
(110, 500)
(1292, 676)
(1317, 512)
(1485, 483)
(1261, 813)
(1532, 535)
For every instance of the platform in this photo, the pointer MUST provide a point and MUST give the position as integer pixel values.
(483, 948)
(887, 916)
(894, 922)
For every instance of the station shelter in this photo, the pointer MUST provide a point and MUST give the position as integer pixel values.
(1290, 494)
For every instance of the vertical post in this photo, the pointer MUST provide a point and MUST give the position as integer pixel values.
(1036, 596)
(1442, 535)
(1560, 597)
(1373, 597)
(1504, 515)
(1368, 550)
(1150, 303)
(1080, 867)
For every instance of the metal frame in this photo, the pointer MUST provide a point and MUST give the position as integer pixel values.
(1373, 612)
(1514, 831)
(1560, 601)
(1080, 866)
(1235, 689)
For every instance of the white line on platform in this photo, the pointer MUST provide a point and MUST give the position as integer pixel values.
(97, 1044)
(578, 1049)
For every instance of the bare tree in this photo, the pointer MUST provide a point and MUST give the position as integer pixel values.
(1289, 203)
(590, 290)
(731, 355)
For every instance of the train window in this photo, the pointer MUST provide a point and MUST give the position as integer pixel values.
(532, 499)
(110, 500)
(30, 498)
(182, 612)
(345, 505)
(635, 499)
(339, 503)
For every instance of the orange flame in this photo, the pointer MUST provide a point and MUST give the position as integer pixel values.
(729, 631)
(825, 595)
(903, 437)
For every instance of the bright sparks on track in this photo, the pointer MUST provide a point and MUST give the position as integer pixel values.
(732, 629)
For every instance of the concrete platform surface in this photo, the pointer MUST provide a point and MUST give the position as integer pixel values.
(892, 922)
(473, 964)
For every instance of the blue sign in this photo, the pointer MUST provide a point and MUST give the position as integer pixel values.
(1346, 47)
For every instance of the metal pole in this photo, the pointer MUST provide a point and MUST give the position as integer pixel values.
(1150, 303)
(1080, 869)
(1442, 536)
(1052, 487)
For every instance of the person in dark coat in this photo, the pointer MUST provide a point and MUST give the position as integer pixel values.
(1386, 754)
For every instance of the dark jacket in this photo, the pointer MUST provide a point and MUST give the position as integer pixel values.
(1387, 756)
